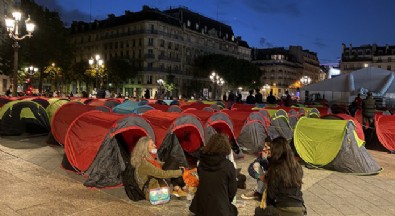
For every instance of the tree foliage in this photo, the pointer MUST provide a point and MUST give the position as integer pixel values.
(48, 43)
(120, 70)
(236, 72)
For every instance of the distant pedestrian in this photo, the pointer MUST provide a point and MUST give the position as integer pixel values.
(368, 110)
(271, 99)
(250, 98)
(258, 97)
(147, 94)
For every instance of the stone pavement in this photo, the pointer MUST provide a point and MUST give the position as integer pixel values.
(33, 183)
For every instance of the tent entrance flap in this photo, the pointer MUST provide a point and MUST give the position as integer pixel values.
(189, 137)
(130, 136)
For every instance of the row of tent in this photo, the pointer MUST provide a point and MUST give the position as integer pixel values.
(97, 141)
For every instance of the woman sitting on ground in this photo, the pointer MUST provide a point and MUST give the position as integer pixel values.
(217, 180)
(145, 162)
(284, 182)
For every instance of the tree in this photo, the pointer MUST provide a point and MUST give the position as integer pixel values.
(235, 72)
(49, 41)
(120, 70)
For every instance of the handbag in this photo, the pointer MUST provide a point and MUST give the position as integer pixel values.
(159, 195)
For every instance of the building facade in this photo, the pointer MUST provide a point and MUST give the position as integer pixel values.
(354, 58)
(283, 69)
(5, 10)
(160, 44)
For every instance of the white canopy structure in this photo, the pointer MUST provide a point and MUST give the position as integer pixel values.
(344, 88)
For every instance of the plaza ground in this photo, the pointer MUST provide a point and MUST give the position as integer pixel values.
(32, 182)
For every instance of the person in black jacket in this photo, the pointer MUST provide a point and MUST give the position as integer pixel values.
(284, 182)
(217, 180)
(250, 98)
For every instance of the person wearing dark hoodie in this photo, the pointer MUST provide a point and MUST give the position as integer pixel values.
(217, 180)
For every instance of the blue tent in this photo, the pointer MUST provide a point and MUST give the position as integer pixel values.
(126, 107)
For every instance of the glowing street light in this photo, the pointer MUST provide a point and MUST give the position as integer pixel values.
(305, 80)
(160, 82)
(12, 25)
(96, 63)
(217, 81)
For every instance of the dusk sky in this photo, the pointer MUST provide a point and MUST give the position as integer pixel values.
(318, 25)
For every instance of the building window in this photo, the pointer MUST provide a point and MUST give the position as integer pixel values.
(189, 23)
(150, 51)
(149, 67)
(389, 59)
(388, 67)
(197, 26)
(150, 41)
(149, 78)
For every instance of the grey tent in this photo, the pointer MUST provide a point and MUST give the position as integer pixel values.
(99, 144)
(280, 126)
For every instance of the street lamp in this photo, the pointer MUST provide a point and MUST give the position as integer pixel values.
(217, 81)
(14, 33)
(305, 80)
(160, 82)
(30, 71)
(96, 63)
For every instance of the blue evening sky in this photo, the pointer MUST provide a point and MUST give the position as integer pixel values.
(318, 25)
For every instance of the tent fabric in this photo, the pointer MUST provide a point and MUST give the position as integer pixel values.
(208, 109)
(220, 122)
(280, 126)
(174, 108)
(4, 100)
(249, 129)
(64, 116)
(314, 113)
(142, 109)
(126, 107)
(54, 106)
(341, 116)
(18, 117)
(187, 127)
(385, 129)
(370, 78)
(42, 101)
(161, 107)
(333, 145)
(242, 107)
(195, 105)
(95, 142)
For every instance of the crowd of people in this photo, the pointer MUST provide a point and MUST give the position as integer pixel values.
(278, 174)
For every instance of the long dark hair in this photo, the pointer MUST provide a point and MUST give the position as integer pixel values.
(284, 171)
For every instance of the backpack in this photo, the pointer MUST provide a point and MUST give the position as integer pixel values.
(131, 187)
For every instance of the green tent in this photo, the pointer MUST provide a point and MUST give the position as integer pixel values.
(333, 145)
(18, 117)
(53, 106)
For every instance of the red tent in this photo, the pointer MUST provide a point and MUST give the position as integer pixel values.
(64, 116)
(198, 106)
(95, 142)
(358, 126)
(385, 129)
(242, 107)
(186, 127)
(161, 107)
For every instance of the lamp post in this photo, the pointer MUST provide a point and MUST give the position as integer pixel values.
(96, 63)
(30, 71)
(217, 81)
(160, 83)
(14, 33)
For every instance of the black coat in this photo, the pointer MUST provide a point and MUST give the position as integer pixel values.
(217, 187)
